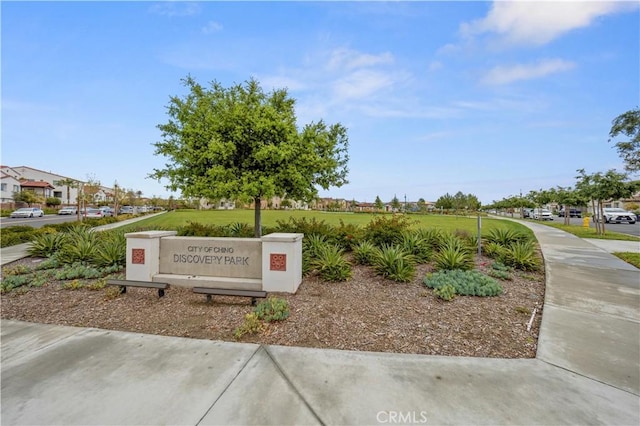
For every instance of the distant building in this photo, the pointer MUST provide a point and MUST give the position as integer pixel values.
(45, 184)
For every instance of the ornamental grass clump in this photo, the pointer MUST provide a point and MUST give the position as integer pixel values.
(364, 253)
(331, 264)
(394, 263)
(467, 283)
(414, 244)
(453, 257)
(521, 255)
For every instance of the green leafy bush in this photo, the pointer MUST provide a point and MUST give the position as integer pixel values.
(521, 255)
(195, 229)
(111, 250)
(468, 283)
(394, 263)
(433, 237)
(46, 245)
(446, 292)
(308, 227)
(414, 244)
(251, 325)
(331, 264)
(17, 270)
(454, 256)
(50, 263)
(505, 236)
(14, 235)
(364, 253)
(493, 250)
(272, 309)
(80, 245)
(240, 230)
(348, 235)
(384, 231)
(10, 282)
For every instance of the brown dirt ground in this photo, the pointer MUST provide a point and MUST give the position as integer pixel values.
(366, 313)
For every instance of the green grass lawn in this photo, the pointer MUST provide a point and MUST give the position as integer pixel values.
(582, 232)
(175, 219)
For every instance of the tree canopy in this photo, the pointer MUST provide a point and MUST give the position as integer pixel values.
(241, 143)
(628, 124)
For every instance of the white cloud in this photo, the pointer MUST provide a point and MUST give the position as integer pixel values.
(212, 27)
(537, 23)
(509, 74)
(361, 83)
(350, 59)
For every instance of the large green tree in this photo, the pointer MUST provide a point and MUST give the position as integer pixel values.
(628, 124)
(242, 143)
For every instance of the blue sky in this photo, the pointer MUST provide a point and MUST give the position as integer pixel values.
(487, 98)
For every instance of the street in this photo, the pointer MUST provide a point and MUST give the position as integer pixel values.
(36, 222)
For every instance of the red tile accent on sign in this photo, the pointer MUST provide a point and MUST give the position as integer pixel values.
(278, 262)
(137, 256)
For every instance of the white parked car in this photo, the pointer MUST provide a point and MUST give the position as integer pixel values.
(68, 210)
(27, 212)
(617, 215)
(541, 214)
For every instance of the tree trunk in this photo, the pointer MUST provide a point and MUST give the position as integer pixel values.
(257, 217)
(602, 216)
(596, 221)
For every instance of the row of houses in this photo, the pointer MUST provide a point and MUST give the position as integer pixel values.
(47, 184)
(44, 184)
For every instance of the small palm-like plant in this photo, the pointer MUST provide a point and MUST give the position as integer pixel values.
(414, 244)
(46, 245)
(453, 257)
(433, 237)
(521, 255)
(364, 253)
(394, 263)
(111, 250)
(79, 245)
(331, 264)
(505, 236)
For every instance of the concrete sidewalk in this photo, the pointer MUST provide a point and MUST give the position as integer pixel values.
(586, 371)
(13, 253)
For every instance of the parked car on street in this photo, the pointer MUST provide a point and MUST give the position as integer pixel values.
(126, 210)
(526, 212)
(572, 213)
(68, 210)
(106, 211)
(92, 213)
(541, 214)
(617, 215)
(27, 212)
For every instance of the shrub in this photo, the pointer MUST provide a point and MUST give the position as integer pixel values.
(453, 257)
(521, 255)
(348, 235)
(331, 264)
(240, 230)
(17, 235)
(414, 244)
(45, 245)
(394, 263)
(433, 237)
(272, 309)
(252, 324)
(313, 244)
(111, 250)
(383, 231)
(17, 270)
(10, 282)
(446, 292)
(493, 250)
(308, 227)
(195, 229)
(364, 253)
(50, 263)
(505, 236)
(468, 283)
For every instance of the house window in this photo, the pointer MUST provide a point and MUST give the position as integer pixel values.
(56, 183)
(3, 186)
(57, 194)
(16, 188)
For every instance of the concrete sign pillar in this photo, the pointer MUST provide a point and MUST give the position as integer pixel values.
(281, 262)
(143, 254)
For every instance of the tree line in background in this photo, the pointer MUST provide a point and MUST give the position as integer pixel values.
(592, 189)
